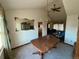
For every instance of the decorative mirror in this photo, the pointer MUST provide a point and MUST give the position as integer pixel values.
(27, 25)
(24, 24)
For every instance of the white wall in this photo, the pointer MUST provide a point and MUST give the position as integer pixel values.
(71, 29)
(72, 10)
(1, 54)
(71, 6)
(23, 37)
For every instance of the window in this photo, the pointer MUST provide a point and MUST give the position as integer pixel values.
(59, 27)
(1, 31)
(55, 26)
(0, 42)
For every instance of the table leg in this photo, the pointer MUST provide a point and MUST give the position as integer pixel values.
(42, 56)
(55, 46)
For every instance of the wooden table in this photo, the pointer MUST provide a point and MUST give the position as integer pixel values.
(44, 44)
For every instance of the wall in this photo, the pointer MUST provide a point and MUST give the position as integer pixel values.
(71, 29)
(72, 10)
(71, 6)
(1, 54)
(23, 37)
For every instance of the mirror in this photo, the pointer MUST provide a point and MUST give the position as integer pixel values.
(24, 24)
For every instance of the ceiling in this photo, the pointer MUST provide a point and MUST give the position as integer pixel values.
(71, 6)
(23, 4)
(57, 16)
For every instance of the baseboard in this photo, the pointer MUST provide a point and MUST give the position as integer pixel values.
(68, 44)
(20, 46)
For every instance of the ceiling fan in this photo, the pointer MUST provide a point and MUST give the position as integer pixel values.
(56, 9)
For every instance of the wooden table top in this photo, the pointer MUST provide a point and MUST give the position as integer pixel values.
(45, 43)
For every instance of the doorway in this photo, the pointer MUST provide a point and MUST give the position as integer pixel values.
(56, 29)
(40, 29)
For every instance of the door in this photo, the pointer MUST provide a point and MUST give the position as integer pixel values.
(77, 45)
(77, 48)
(40, 29)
